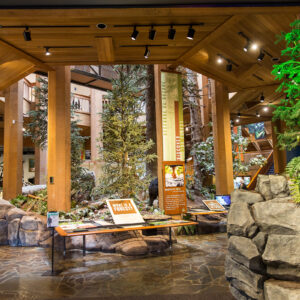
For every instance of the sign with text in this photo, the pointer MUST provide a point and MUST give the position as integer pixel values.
(213, 205)
(172, 116)
(174, 187)
(124, 211)
(174, 197)
(52, 219)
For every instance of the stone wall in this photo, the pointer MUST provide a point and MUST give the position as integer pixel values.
(19, 228)
(263, 227)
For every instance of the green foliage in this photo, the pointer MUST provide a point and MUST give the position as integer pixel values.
(288, 72)
(18, 201)
(293, 170)
(204, 153)
(124, 150)
(38, 124)
(37, 130)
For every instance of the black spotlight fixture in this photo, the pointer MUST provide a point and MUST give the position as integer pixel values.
(239, 114)
(27, 34)
(246, 47)
(172, 32)
(262, 98)
(147, 52)
(261, 55)
(229, 66)
(134, 34)
(47, 52)
(152, 33)
(257, 114)
(191, 33)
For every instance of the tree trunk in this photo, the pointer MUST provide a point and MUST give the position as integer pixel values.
(196, 131)
(150, 120)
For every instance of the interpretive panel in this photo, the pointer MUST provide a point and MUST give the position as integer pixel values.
(124, 211)
(174, 196)
(213, 205)
(174, 188)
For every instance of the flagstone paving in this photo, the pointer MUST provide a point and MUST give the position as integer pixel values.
(193, 267)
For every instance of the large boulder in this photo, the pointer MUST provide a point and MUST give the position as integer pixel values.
(282, 251)
(30, 223)
(5, 206)
(244, 251)
(13, 232)
(279, 186)
(156, 243)
(132, 247)
(246, 196)
(263, 186)
(243, 279)
(29, 238)
(277, 218)
(3, 232)
(15, 213)
(240, 221)
(260, 241)
(281, 290)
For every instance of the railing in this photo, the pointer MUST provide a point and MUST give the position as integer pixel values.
(262, 170)
(81, 103)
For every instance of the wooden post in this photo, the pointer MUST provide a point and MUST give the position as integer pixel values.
(205, 106)
(13, 141)
(159, 138)
(96, 127)
(222, 139)
(59, 144)
(279, 156)
(40, 159)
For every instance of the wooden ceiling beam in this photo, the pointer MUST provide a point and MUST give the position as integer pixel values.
(203, 70)
(210, 37)
(20, 75)
(22, 54)
(105, 49)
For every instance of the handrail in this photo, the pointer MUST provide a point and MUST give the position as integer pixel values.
(262, 170)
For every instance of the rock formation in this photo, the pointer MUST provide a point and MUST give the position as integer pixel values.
(263, 227)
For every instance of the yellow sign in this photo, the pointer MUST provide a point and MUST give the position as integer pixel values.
(172, 116)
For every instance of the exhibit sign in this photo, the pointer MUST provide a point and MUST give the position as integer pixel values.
(213, 205)
(174, 193)
(52, 219)
(124, 211)
(172, 116)
(174, 188)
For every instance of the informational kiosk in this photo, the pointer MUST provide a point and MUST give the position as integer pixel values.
(174, 195)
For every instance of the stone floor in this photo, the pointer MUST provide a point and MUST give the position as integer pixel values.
(192, 269)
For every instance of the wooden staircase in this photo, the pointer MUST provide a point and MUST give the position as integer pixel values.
(261, 171)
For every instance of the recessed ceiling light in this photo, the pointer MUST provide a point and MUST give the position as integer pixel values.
(254, 46)
(101, 26)
(266, 108)
(219, 59)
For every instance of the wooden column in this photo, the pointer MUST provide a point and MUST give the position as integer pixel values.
(59, 145)
(159, 138)
(13, 141)
(205, 106)
(222, 139)
(96, 126)
(40, 160)
(279, 156)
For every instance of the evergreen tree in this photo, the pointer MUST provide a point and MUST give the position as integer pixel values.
(125, 148)
(288, 72)
(38, 126)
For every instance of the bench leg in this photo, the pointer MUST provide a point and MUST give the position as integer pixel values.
(83, 244)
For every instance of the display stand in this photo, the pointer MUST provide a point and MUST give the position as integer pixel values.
(53, 272)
